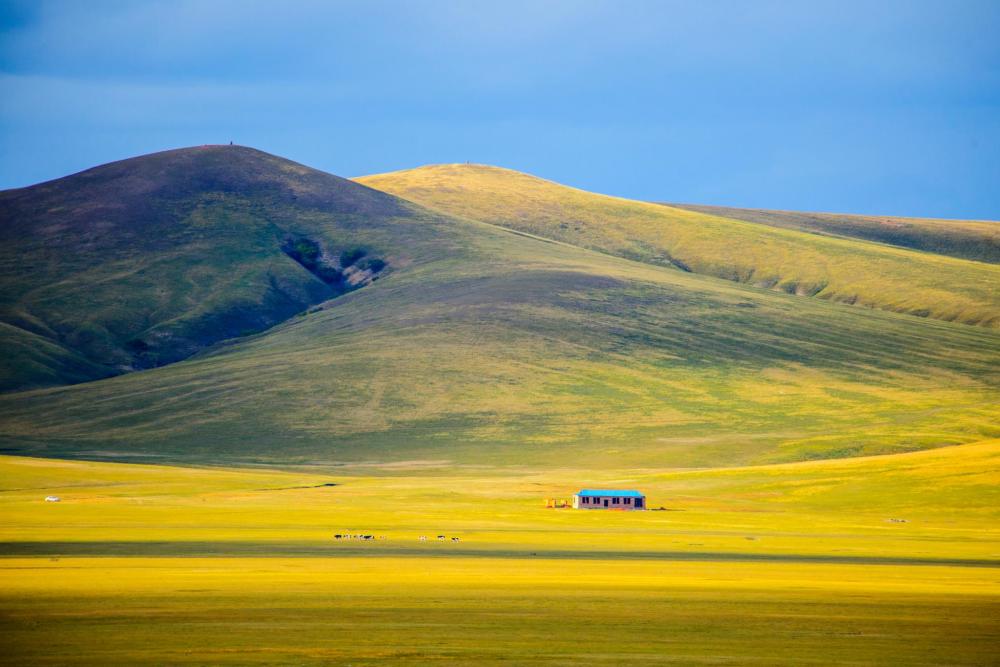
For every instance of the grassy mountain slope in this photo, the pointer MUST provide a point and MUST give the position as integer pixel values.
(145, 261)
(476, 345)
(509, 349)
(969, 239)
(30, 360)
(836, 269)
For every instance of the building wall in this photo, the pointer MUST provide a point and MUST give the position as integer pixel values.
(578, 503)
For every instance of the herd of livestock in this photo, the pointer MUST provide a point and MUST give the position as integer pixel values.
(422, 538)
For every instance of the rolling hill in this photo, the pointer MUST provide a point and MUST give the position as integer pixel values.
(968, 239)
(789, 260)
(143, 262)
(476, 344)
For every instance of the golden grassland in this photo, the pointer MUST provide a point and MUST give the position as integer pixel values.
(891, 559)
(363, 611)
(840, 269)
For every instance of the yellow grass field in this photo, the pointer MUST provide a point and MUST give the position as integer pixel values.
(881, 560)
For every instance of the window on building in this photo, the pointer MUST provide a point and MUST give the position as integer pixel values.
(614, 501)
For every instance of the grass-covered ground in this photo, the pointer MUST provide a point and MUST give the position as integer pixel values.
(885, 560)
(844, 269)
(969, 239)
(523, 350)
(366, 611)
(486, 370)
(477, 344)
(146, 261)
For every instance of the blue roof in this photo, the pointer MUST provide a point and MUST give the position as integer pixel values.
(610, 492)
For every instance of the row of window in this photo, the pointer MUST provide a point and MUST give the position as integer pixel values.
(587, 500)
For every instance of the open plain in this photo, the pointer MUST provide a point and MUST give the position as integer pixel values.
(890, 559)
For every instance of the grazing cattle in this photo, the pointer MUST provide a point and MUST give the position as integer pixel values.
(454, 539)
(441, 537)
(52, 499)
(422, 538)
(338, 536)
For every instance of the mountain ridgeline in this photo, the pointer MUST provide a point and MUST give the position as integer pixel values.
(276, 314)
(782, 257)
(978, 240)
(146, 261)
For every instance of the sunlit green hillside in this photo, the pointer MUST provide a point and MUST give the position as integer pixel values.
(970, 239)
(468, 342)
(835, 269)
(517, 349)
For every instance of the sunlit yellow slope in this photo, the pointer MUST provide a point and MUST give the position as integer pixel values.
(840, 269)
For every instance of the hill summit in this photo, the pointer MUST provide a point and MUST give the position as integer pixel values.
(145, 261)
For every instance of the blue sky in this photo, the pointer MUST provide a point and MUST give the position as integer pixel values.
(868, 107)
